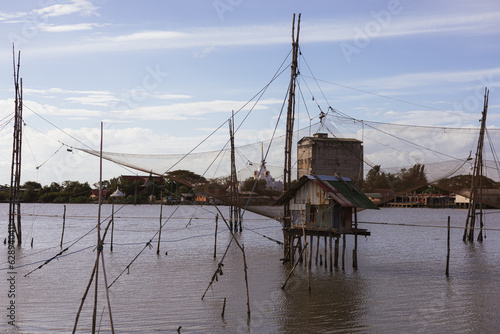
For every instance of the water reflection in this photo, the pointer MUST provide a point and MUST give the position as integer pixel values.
(336, 303)
(400, 285)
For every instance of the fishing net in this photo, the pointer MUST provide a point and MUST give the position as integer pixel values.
(397, 159)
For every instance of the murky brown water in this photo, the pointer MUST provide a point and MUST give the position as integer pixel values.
(400, 285)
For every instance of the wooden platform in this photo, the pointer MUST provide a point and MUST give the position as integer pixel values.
(295, 230)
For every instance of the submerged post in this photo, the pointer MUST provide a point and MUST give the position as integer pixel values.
(215, 242)
(161, 213)
(112, 223)
(336, 256)
(343, 251)
(448, 253)
(355, 250)
(64, 223)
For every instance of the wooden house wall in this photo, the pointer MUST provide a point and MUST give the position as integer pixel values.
(316, 209)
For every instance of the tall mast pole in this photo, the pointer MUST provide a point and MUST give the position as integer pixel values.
(476, 184)
(15, 176)
(287, 171)
(233, 208)
(287, 168)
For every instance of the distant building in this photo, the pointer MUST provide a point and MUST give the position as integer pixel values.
(95, 194)
(263, 174)
(489, 197)
(320, 155)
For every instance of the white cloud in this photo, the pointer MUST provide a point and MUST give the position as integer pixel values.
(209, 38)
(146, 36)
(94, 99)
(82, 7)
(172, 96)
(69, 27)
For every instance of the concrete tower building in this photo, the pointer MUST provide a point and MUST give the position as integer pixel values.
(321, 155)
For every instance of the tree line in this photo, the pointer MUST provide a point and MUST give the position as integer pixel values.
(415, 179)
(181, 182)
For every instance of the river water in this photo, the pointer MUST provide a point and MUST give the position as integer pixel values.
(399, 287)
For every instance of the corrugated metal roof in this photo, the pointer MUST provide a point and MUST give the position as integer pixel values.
(342, 190)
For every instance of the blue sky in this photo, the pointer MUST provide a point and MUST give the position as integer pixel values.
(162, 75)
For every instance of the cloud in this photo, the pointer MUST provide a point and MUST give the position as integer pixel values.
(48, 109)
(158, 35)
(82, 7)
(69, 27)
(185, 111)
(172, 96)
(322, 31)
(94, 99)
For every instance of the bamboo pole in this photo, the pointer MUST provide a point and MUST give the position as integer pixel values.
(64, 224)
(100, 245)
(85, 295)
(112, 223)
(223, 308)
(448, 253)
(309, 253)
(293, 268)
(161, 218)
(107, 293)
(311, 240)
(317, 250)
(336, 255)
(331, 253)
(355, 250)
(343, 251)
(326, 251)
(246, 279)
(215, 242)
(242, 248)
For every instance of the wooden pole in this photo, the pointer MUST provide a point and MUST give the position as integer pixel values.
(317, 249)
(355, 250)
(448, 253)
(223, 308)
(64, 224)
(215, 244)
(161, 218)
(246, 279)
(311, 240)
(107, 293)
(99, 242)
(336, 261)
(343, 251)
(242, 248)
(293, 268)
(299, 246)
(326, 251)
(331, 253)
(112, 223)
(477, 176)
(85, 295)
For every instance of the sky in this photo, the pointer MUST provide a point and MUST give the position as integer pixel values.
(162, 75)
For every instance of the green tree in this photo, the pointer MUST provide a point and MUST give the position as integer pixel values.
(260, 186)
(375, 179)
(31, 192)
(459, 182)
(411, 179)
(186, 177)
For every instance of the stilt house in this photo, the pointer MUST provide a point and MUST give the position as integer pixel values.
(321, 202)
